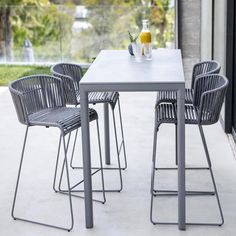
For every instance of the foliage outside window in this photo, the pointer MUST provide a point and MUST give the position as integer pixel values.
(77, 30)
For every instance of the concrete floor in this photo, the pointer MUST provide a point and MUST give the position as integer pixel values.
(125, 213)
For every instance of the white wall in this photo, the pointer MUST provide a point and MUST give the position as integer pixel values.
(220, 11)
(220, 38)
(220, 14)
(206, 29)
(220, 33)
(189, 35)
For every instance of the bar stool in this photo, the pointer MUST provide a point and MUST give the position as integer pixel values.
(39, 101)
(71, 75)
(201, 68)
(208, 96)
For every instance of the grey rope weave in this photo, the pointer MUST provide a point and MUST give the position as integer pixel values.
(66, 118)
(71, 75)
(202, 68)
(208, 97)
(39, 101)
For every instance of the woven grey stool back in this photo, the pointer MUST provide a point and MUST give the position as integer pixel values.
(70, 74)
(208, 97)
(32, 94)
(202, 68)
(205, 67)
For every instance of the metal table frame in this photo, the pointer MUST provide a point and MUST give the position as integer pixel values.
(88, 84)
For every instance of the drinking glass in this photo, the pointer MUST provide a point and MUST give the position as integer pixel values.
(137, 50)
(147, 50)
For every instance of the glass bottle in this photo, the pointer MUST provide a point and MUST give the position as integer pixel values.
(145, 35)
(146, 39)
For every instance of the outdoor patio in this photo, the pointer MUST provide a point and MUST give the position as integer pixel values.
(125, 213)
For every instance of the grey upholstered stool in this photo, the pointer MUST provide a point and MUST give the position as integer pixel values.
(71, 75)
(208, 96)
(39, 101)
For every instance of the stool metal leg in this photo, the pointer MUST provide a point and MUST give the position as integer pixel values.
(212, 176)
(153, 178)
(63, 165)
(17, 186)
(100, 157)
(73, 149)
(176, 156)
(172, 192)
(122, 135)
(56, 166)
(118, 150)
(121, 145)
(153, 175)
(68, 182)
(153, 170)
(19, 172)
(72, 189)
(167, 192)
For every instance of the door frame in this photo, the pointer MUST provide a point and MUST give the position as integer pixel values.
(230, 64)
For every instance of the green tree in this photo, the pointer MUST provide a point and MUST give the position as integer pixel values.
(37, 20)
(109, 22)
(46, 23)
(162, 20)
(111, 19)
(6, 22)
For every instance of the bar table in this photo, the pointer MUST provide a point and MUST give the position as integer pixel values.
(116, 70)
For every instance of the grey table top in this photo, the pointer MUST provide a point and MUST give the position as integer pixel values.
(113, 67)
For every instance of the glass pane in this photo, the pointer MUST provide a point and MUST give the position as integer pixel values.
(77, 33)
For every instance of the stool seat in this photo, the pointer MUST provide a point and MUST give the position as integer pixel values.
(171, 96)
(166, 113)
(101, 97)
(65, 118)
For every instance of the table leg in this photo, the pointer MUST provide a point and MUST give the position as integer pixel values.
(86, 159)
(181, 159)
(107, 134)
